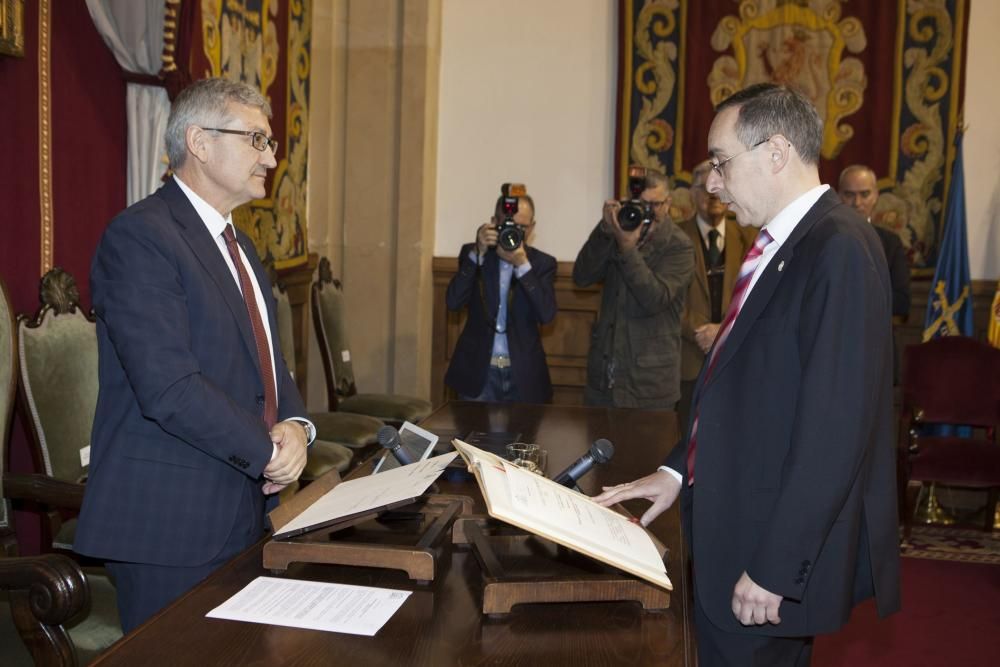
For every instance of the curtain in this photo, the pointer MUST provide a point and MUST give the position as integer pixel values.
(133, 30)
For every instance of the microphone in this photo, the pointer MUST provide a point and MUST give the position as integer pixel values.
(600, 452)
(388, 437)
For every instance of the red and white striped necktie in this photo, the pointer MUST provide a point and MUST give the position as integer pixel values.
(750, 262)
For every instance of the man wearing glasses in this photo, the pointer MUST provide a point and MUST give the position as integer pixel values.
(786, 472)
(720, 244)
(198, 422)
(509, 294)
(634, 358)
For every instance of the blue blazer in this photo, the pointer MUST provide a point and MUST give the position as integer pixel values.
(795, 462)
(532, 303)
(178, 435)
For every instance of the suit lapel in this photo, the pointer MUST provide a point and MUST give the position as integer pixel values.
(768, 282)
(205, 249)
(700, 273)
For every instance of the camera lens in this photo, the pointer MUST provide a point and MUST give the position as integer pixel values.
(510, 237)
(630, 216)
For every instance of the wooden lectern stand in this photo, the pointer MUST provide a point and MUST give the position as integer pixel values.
(407, 537)
(519, 567)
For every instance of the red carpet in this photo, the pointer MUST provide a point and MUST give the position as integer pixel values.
(950, 616)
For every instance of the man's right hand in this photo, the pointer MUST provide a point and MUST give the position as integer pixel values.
(486, 237)
(661, 488)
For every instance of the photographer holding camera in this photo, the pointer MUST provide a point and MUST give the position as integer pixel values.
(509, 289)
(645, 262)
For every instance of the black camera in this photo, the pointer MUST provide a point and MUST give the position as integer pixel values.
(510, 236)
(634, 211)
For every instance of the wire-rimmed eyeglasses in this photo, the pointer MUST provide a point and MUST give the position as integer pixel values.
(717, 166)
(258, 140)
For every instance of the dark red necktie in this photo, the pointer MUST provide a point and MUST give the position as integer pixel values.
(259, 335)
(750, 262)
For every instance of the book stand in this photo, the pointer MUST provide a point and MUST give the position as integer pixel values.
(406, 537)
(519, 567)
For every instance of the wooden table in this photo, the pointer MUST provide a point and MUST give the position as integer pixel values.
(441, 623)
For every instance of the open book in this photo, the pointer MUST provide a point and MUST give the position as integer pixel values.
(544, 508)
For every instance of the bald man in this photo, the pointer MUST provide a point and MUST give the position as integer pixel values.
(858, 188)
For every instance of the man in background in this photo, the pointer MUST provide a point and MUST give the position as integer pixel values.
(198, 419)
(509, 294)
(858, 188)
(786, 472)
(720, 245)
(634, 358)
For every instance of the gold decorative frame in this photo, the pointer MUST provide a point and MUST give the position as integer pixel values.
(12, 28)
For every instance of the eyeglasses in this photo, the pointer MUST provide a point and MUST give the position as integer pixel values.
(717, 166)
(656, 204)
(258, 140)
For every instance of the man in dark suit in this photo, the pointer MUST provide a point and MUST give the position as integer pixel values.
(786, 471)
(196, 416)
(509, 294)
(720, 244)
(858, 188)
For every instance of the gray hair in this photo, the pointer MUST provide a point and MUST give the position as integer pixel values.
(205, 103)
(654, 179)
(766, 109)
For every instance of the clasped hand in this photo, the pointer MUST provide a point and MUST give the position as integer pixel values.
(290, 439)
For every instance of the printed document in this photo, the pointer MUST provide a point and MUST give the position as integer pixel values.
(313, 605)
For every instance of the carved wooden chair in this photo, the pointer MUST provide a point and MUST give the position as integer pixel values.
(57, 353)
(49, 599)
(337, 434)
(329, 319)
(950, 380)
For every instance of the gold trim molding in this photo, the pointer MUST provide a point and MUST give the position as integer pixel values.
(45, 132)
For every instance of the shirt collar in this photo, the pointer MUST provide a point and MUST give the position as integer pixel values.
(213, 220)
(704, 227)
(782, 225)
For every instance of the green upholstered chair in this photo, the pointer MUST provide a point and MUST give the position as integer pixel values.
(337, 434)
(57, 351)
(64, 613)
(331, 332)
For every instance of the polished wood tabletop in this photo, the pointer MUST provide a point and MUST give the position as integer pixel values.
(441, 623)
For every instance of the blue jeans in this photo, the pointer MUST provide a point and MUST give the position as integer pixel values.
(499, 387)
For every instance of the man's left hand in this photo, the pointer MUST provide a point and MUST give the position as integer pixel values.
(285, 468)
(752, 605)
(705, 336)
(626, 240)
(516, 257)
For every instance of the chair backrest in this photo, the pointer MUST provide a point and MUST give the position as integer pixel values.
(8, 383)
(58, 357)
(331, 334)
(953, 380)
(286, 331)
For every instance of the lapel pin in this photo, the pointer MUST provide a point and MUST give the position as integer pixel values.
(781, 265)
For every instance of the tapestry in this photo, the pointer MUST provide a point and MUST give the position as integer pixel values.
(266, 43)
(886, 77)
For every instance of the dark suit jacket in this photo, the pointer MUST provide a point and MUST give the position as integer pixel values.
(795, 467)
(698, 307)
(532, 303)
(899, 270)
(178, 434)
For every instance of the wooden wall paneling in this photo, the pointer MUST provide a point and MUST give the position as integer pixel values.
(296, 282)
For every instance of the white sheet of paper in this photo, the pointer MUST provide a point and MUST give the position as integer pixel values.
(313, 605)
(365, 493)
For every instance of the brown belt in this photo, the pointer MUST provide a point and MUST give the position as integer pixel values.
(500, 361)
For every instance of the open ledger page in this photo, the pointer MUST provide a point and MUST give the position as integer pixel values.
(371, 492)
(540, 506)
